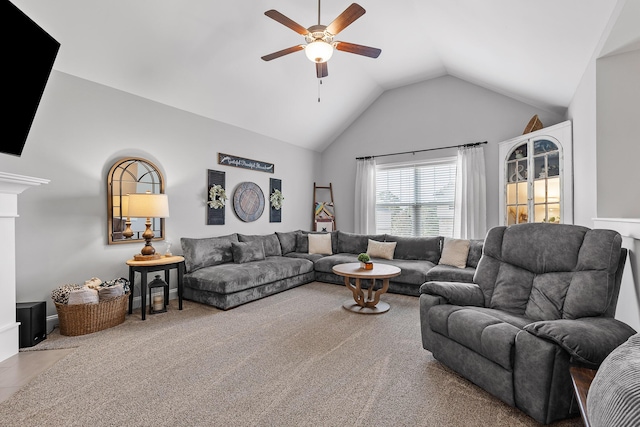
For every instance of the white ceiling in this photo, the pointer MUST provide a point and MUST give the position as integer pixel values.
(203, 56)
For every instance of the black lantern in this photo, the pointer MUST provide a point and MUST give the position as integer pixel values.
(158, 300)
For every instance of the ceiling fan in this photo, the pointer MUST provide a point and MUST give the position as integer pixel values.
(319, 38)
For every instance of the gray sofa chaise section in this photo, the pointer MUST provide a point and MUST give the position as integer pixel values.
(231, 270)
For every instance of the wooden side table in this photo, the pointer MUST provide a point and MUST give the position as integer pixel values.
(582, 379)
(166, 263)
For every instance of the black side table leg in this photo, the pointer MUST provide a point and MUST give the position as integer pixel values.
(143, 292)
(132, 276)
(180, 283)
(166, 290)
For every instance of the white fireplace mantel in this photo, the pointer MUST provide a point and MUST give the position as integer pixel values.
(10, 186)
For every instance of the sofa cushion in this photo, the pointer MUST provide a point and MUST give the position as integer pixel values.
(588, 340)
(418, 248)
(454, 252)
(320, 244)
(229, 278)
(287, 241)
(351, 243)
(541, 249)
(476, 330)
(247, 251)
(270, 243)
(547, 296)
(475, 252)
(200, 253)
(550, 271)
(302, 241)
(384, 250)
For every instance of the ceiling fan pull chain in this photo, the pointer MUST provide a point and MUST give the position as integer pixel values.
(319, 83)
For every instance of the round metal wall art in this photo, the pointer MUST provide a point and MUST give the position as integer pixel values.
(248, 201)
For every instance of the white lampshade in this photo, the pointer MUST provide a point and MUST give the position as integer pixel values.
(318, 51)
(121, 206)
(148, 205)
(125, 205)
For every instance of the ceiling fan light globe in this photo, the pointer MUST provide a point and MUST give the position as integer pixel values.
(318, 51)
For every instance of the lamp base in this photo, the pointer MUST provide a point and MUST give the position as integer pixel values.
(140, 257)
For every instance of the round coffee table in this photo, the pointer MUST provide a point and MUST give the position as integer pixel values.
(370, 304)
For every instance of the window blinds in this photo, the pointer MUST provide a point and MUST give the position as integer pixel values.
(416, 200)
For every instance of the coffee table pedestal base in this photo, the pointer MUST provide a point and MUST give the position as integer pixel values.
(381, 307)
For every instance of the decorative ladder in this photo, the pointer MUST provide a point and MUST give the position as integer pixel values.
(324, 217)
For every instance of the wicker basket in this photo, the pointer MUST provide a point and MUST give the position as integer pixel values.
(80, 319)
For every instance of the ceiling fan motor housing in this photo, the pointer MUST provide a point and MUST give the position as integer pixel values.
(318, 32)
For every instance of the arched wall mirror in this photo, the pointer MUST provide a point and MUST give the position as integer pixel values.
(128, 176)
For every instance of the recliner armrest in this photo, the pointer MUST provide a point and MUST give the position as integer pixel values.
(457, 293)
(588, 340)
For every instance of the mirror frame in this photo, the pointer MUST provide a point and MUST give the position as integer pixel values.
(151, 168)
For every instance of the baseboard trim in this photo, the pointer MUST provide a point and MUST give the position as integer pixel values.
(52, 321)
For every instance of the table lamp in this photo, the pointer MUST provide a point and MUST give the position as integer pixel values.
(148, 206)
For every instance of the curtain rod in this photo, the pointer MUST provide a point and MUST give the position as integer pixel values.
(473, 144)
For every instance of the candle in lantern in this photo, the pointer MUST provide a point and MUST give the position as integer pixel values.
(158, 301)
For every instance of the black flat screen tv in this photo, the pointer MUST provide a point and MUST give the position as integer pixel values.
(28, 53)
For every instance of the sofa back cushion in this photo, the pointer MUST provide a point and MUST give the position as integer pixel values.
(416, 248)
(200, 253)
(247, 251)
(475, 252)
(352, 243)
(270, 242)
(550, 271)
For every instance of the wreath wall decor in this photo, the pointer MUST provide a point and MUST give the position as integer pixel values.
(275, 200)
(216, 197)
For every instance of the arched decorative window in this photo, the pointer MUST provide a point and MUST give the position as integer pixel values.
(536, 177)
(127, 176)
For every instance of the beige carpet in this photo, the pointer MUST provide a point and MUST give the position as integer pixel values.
(293, 359)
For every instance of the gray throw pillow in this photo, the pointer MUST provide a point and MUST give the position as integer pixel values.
(287, 241)
(247, 251)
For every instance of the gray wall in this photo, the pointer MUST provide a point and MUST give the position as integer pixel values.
(80, 129)
(435, 113)
(618, 148)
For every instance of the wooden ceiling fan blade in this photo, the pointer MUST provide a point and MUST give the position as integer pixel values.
(321, 69)
(371, 52)
(277, 16)
(282, 52)
(346, 18)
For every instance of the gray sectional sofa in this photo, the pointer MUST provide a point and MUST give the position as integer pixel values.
(231, 270)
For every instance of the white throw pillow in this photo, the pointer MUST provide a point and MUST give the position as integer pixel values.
(455, 252)
(383, 250)
(320, 244)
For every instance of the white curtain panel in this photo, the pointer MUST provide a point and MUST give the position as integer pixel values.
(365, 202)
(470, 214)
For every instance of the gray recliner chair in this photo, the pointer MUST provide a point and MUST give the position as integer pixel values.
(543, 297)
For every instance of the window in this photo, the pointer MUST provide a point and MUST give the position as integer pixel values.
(417, 199)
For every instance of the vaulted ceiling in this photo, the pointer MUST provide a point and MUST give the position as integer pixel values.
(203, 56)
